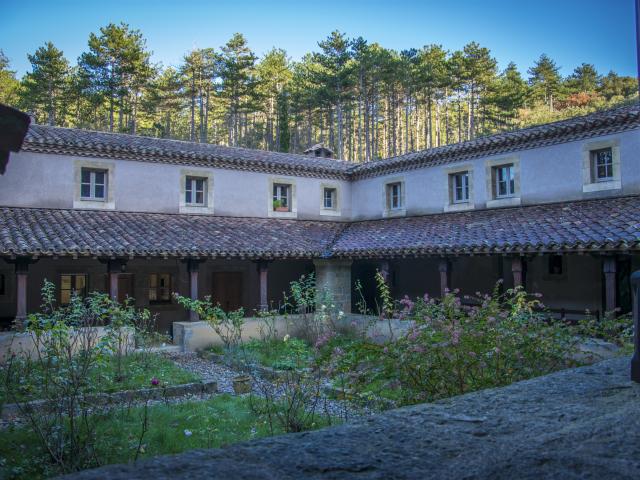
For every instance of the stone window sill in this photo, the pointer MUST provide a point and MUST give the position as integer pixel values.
(395, 212)
(459, 207)
(274, 214)
(93, 205)
(601, 186)
(504, 202)
(330, 212)
(203, 210)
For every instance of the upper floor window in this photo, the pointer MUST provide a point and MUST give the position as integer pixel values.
(329, 198)
(281, 197)
(394, 196)
(602, 164)
(460, 187)
(159, 288)
(195, 191)
(70, 284)
(93, 184)
(504, 181)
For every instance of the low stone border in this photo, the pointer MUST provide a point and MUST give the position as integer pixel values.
(12, 410)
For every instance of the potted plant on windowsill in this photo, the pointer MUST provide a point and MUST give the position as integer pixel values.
(279, 207)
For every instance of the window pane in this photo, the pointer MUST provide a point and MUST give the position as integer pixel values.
(187, 185)
(86, 175)
(65, 282)
(65, 297)
(99, 191)
(153, 295)
(200, 184)
(99, 177)
(188, 196)
(153, 280)
(199, 197)
(85, 190)
(80, 282)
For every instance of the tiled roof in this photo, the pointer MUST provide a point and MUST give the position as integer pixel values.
(74, 141)
(599, 123)
(71, 141)
(603, 224)
(589, 225)
(46, 232)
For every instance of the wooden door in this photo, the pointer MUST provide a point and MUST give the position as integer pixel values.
(125, 286)
(227, 290)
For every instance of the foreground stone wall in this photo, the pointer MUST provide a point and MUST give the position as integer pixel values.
(579, 423)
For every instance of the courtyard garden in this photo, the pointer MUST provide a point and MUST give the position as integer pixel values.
(311, 365)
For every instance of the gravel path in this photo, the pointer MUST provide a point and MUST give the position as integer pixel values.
(212, 370)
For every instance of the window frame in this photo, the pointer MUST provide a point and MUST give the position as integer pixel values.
(191, 188)
(465, 187)
(73, 284)
(510, 182)
(276, 191)
(596, 178)
(92, 197)
(159, 300)
(332, 197)
(394, 196)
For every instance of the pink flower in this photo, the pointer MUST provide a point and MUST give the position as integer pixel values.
(472, 354)
(155, 382)
(497, 350)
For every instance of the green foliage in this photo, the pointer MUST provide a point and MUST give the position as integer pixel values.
(214, 423)
(452, 348)
(228, 325)
(360, 99)
(287, 354)
(68, 363)
(613, 328)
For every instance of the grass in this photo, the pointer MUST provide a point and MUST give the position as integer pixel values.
(217, 422)
(279, 354)
(138, 368)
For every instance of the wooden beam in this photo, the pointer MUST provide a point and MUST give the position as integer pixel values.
(444, 267)
(609, 270)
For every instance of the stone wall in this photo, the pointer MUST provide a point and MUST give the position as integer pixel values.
(333, 282)
(575, 424)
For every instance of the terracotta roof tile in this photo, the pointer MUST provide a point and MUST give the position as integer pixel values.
(603, 224)
(612, 223)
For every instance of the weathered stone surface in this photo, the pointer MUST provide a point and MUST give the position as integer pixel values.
(582, 423)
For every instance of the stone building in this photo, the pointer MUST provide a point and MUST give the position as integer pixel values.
(555, 208)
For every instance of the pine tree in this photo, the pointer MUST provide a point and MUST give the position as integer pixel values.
(545, 80)
(8, 83)
(44, 88)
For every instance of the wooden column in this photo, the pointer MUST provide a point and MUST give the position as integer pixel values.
(385, 271)
(444, 267)
(114, 268)
(517, 271)
(609, 270)
(193, 267)
(22, 270)
(263, 276)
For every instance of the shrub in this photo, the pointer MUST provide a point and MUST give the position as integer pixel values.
(58, 371)
(228, 325)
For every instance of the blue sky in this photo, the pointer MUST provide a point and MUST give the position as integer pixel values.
(601, 32)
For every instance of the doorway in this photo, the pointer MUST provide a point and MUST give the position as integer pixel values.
(227, 290)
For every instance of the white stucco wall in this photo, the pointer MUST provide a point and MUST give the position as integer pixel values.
(547, 174)
(46, 180)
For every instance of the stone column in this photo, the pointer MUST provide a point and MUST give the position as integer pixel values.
(22, 270)
(333, 281)
(193, 267)
(263, 274)
(609, 270)
(444, 267)
(517, 271)
(114, 268)
(385, 271)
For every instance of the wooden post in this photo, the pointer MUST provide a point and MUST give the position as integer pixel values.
(263, 275)
(193, 267)
(445, 278)
(385, 271)
(609, 270)
(516, 270)
(22, 270)
(114, 268)
(635, 360)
